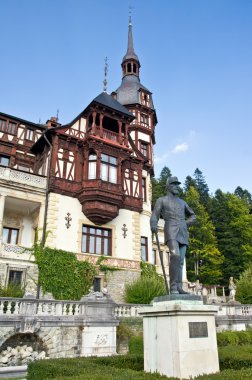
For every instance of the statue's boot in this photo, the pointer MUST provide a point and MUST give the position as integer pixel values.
(179, 284)
(174, 273)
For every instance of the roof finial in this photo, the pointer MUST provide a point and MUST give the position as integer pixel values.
(57, 117)
(130, 13)
(105, 75)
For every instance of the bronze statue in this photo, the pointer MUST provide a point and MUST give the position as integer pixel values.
(177, 216)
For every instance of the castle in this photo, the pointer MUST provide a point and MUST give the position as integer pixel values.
(87, 182)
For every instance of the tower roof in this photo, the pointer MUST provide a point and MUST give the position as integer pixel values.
(130, 54)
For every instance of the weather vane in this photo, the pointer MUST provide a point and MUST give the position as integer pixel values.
(105, 75)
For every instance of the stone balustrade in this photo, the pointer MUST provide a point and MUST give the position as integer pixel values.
(45, 307)
(22, 177)
(41, 307)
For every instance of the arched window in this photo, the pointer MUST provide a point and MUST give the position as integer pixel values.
(92, 164)
(134, 68)
(129, 67)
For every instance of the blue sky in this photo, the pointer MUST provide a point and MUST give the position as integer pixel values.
(196, 58)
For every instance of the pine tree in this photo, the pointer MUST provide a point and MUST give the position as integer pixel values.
(204, 259)
(159, 185)
(202, 187)
(233, 224)
(189, 181)
(244, 194)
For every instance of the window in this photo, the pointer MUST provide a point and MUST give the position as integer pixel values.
(96, 240)
(4, 160)
(144, 248)
(108, 168)
(92, 160)
(144, 148)
(15, 277)
(11, 128)
(97, 284)
(10, 235)
(3, 125)
(144, 193)
(8, 127)
(153, 257)
(144, 119)
(29, 134)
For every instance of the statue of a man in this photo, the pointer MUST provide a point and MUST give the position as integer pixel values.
(177, 216)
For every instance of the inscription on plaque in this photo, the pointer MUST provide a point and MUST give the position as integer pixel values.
(198, 330)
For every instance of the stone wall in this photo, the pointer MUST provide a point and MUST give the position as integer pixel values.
(116, 281)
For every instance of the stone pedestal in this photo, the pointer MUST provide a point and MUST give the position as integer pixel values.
(180, 337)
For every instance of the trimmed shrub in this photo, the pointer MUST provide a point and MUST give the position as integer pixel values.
(233, 338)
(232, 358)
(136, 346)
(95, 368)
(227, 337)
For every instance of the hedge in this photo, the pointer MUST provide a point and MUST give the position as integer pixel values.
(234, 338)
(107, 368)
(232, 357)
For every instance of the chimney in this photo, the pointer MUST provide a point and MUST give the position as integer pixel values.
(53, 122)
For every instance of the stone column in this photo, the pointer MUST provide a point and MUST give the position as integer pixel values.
(2, 203)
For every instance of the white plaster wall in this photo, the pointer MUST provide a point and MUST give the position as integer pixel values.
(67, 238)
(123, 247)
(27, 236)
(143, 136)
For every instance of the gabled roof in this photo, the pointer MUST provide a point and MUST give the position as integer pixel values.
(41, 126)
(108, 101)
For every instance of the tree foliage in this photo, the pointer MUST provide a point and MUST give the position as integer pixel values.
(244, 286)
(159, 185)
(61, 274)
(204, 259)
(233, 224)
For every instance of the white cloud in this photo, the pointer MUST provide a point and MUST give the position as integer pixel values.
(180, 148)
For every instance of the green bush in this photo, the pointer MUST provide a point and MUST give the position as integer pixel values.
(233, 338)
(244, 287)
(136, 346)
(227, 337)
(144, 289)
(12, 290)
(94, 368)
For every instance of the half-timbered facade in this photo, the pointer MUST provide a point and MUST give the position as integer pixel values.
(88, 181)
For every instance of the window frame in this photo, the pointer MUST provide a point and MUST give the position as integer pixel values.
(3, 156)
(9, 238)
(15, 271)
(144, 248)
(29, 134)
(96, 243)
(108, 165)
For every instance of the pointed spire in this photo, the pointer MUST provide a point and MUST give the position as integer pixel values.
(130, 50)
